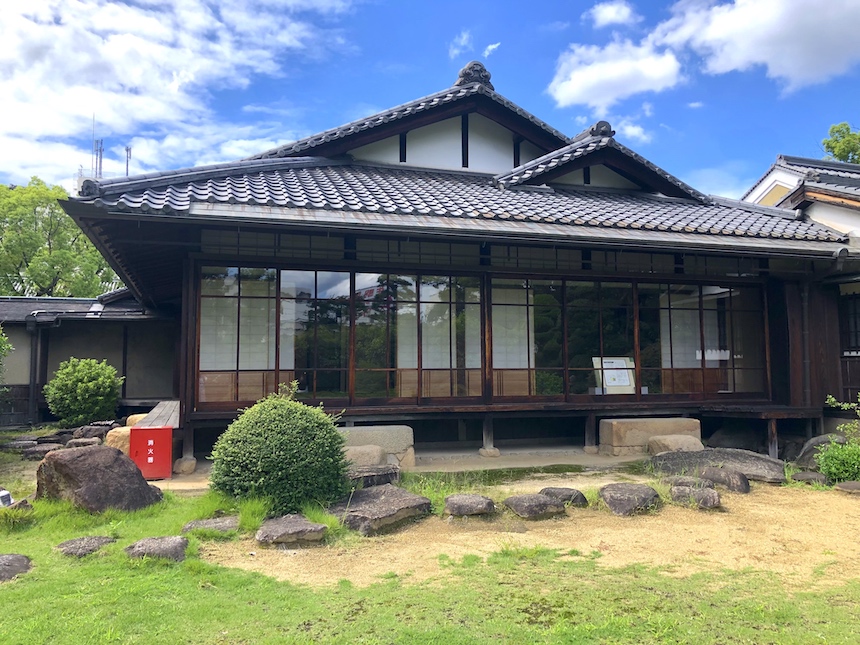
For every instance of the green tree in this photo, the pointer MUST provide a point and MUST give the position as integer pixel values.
(42, 250)
(843, 144)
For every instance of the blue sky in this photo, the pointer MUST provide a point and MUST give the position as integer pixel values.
(710, 91)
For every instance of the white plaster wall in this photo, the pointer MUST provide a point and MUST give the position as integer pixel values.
(491, 146)
(529, 152)
(842, 219)
(777, 176)
(385, 151)
(438, 145)
(17, 362)
(601, 177)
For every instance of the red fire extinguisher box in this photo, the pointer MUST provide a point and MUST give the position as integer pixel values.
(152, 450)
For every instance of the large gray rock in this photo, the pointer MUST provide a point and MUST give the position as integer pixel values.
(629, 499)
(291, 529)
(224, 524)
(79, 547)
(468, 504)
(94, 478)
(732, 479)
(12, 565)
(565, 495)
(740, 435)
(171, 547)
(59, 437)
(18, 445)
(752, 464)
(704, 498)
(806, 458)
(534, 507)
(365, 455)
(373, 509)
(674, 443)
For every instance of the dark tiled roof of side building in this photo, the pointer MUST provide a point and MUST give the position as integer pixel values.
(360, 187)
(838, 176)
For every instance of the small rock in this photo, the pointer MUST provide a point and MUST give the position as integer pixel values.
(852, 488)
(183, 465)
(119, 438)
(629, 499)
(54, 438)
(22, 505)
(674, 443)
(83, 443)
(290, 529)
(92, 430)
(367, 476)
(39, 452)
(704, 498)
(467, 504)
(19, 444)
(223, 524)
(691, 482)
(566, 495)
(12, 565)
(534, 507)
(79, 547)
(489, 452)
(810, 477)
(171, 547)
(370, 510)
(731, 479)
(738, 435)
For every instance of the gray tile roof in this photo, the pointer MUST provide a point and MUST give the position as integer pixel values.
(425, 104)
(354, 187)
(15, 309)
(586, 143)
(834, 176)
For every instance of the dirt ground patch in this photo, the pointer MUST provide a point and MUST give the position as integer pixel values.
(806, 537)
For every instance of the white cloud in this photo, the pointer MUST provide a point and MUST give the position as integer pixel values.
(558, 25)
(142, 67)
(614, 12)
(461, 43)
(731, 179)
(648, 109)
(695, 105)
(601, 76)
(628, 129)
(489, 49)
(580, 120)
(799, 42)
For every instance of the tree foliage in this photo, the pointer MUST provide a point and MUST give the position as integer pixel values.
(843, 143)
(42, 251)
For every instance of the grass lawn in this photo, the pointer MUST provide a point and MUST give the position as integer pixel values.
(533, 595)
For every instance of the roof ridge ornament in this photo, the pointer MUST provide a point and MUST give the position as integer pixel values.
(601, 129)
(474, 72)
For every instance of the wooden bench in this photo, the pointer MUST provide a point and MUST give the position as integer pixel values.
(165, 414)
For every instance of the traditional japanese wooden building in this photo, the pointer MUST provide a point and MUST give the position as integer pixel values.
(455, 261)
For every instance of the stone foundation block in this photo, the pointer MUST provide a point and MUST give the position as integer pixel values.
(397, 441)
(619, 437)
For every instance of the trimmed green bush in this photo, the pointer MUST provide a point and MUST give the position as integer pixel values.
(83, 390)
(283, 450)
(841, 462)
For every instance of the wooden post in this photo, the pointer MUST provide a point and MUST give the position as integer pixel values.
(488, 450)
(591, 434)
(772, 443)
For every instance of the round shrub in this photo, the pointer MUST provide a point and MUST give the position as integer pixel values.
(284, 450)
(840, 462)
(83, 390)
